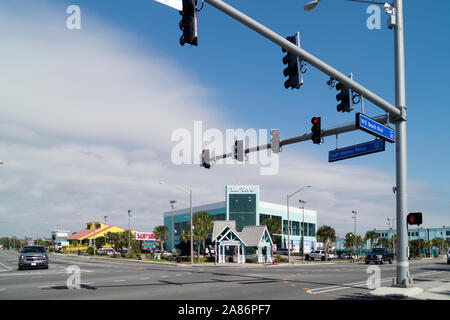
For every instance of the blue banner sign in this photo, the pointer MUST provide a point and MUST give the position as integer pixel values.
(377, 129)
(356, 150)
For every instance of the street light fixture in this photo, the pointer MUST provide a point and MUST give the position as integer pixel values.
(289, 223)
(311, 5)
(190, 204)
(354, 217)
(303, 202)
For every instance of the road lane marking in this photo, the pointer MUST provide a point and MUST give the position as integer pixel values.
(144, 278)
(119, 280)
(164, 276)
(361, 284)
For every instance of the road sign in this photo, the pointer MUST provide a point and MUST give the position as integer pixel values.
(369, 125)
(356, 150)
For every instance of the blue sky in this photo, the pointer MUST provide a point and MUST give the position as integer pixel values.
(115, 76)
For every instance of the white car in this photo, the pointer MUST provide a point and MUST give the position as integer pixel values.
(448, 256)
(318, 254)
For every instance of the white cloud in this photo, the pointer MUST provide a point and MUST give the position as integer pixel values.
(85, 130)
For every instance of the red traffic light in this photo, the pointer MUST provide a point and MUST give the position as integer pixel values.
(414, 218)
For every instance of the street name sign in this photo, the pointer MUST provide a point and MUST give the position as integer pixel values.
(369, 125)
(356, 150)
(176, 4)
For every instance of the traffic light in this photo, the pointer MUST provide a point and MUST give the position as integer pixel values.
(414, 218)
(316, 130)
(344, 97)
(239, 150)
(188, 23)
(291, 70)
(275, 141)
(206, 161)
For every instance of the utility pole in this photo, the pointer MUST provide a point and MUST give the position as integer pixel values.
(129, 230)
(172, 204)
(105, 232)
(303, 202)
(354, 217)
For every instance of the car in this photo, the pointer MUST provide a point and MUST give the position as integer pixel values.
(283, 251)
(318, 254)
(108, 251)
(33, 257)
(448, 256)
(379, 255)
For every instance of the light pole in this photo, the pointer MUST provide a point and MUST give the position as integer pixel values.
(354, 217)
(395, 10)
(172, 204)
(303, 202)
(105, 228)
(289, 223)
(190, 205)
(129, 229)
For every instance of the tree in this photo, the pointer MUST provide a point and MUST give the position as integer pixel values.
(372, 236)
(349, 242)
(383, 242)
(438, 243)
(326, 234)
(202, 227)
(99, 242)
(274, 228)
(160, 234)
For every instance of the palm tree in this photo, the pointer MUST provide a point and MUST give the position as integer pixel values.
(202, 221)
(383, 242)
(372, 236)
(274, 228)
(326, 234)
(160, 234)
(349, 242)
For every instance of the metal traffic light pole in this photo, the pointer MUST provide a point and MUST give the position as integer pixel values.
(396, 114)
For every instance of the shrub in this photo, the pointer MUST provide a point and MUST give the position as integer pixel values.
(279, 259)
(130, 255)
(90, 251)
(251, 260)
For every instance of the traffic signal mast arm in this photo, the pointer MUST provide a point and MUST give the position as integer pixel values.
(302, 54)
(305, 137)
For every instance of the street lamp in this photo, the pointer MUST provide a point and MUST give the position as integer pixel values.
(354, 217)
(172, 204)
(289, 223)
(129, 229)
(303, 202)
(105, 229)
(190, 204)
(311, 5)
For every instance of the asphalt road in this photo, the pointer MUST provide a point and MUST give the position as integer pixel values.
(109, 279)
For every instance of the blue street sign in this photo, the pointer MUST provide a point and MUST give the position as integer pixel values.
(356, 150)
(377, 129)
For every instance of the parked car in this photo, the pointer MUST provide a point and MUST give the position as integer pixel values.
(379, 255)
(448, 256)
(283, 251)
(33, 257)
(163, 252)
(318, 254)
(108, 251)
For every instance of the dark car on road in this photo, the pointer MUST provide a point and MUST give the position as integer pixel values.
(33, 257)
(379, 255)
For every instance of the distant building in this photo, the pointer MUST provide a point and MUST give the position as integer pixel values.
(426, 234)
(85, 238)
(242, 204)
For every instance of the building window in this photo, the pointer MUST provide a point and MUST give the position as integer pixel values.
(263, 217)
(295, 225)
(242, 210)
(221, 216)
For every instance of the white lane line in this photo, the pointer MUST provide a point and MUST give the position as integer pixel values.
(144, 278)
(119, 280)
(362, 284)
(88, 283)
(164, 276)
(3, 289)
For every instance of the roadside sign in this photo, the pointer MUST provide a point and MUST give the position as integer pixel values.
(145, 236)
(369, 125)
(176, 4)
(356, 150)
